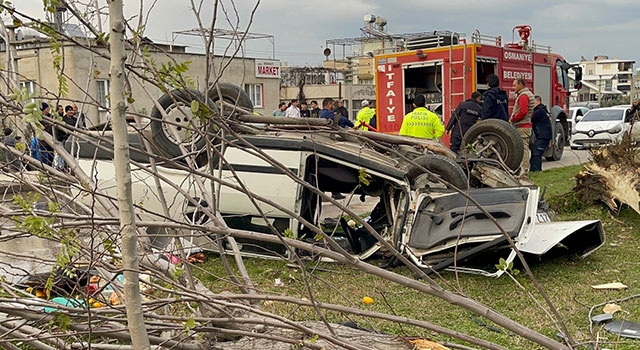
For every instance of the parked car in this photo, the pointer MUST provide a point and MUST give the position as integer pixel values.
(576, 113)
(599, 127)
(587, 104)
(288, 169)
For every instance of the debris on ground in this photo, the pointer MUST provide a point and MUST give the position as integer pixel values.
(367, 300)
(424, 344)
(76, 287)
(197, 258)
(614, 285)
(611, 308)
(624, 328)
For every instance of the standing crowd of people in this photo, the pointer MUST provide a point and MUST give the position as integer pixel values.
(529, 116)
(331, 109)
(38, 148)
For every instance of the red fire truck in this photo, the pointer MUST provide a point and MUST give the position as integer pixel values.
(446, 69)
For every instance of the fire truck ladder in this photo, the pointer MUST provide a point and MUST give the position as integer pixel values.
(452, 70)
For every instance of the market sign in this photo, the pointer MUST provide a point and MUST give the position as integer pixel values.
(267, 69)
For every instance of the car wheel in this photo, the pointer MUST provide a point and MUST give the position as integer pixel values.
(496, 139)
(574, 147)
(558, 144)
(168, 137)
(445, 167)
(231, 94)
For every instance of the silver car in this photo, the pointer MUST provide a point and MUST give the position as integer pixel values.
(600, 127)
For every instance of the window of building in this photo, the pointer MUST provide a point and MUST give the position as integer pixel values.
(30, 86)
(102, 95)
(608, 85)
(255, 93)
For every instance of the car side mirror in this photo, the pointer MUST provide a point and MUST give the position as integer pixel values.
(579, 118)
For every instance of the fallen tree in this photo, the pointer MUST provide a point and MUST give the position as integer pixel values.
(612, 176)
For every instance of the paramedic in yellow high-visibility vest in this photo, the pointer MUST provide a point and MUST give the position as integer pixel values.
(421, 122)
(366, 117)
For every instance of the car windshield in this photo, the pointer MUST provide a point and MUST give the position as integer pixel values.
(599, 115)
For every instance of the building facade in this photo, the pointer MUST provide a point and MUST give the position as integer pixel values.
(635, 86)
(87, 75)
(605, 79)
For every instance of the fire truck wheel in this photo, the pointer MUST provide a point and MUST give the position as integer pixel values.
(443, 166)
(232, 94)
(179, 126)
(496, 139)
(557, 147)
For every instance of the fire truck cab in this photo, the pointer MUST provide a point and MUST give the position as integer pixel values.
(446, 68)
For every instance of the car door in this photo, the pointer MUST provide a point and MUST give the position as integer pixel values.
(447, 226)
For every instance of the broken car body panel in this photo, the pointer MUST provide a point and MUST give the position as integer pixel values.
(579, 237)
(448, 224)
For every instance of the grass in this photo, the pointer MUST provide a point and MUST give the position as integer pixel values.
(566, 279)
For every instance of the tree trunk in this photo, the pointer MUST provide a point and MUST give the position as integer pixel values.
(130, 259)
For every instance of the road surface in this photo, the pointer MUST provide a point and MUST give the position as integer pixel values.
(569, 157)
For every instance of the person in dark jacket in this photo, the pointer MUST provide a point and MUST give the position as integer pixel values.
(341, 109)
(9, 140)
(467, 114)
(304, 112)
(495, 102)
(45, 150)
(328, 113)
(315, 110)
(541, 125)
(633, 113)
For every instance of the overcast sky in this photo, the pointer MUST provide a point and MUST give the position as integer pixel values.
(573, 28)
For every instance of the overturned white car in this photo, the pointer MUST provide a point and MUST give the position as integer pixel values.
(287, 168)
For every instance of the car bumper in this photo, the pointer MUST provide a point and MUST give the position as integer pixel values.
(581, 140)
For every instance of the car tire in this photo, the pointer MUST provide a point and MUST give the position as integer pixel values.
(448, 170)
(507, 142)
(557, 147)
(164, 138)
(231, 94)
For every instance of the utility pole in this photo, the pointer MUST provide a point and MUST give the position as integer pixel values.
(99, 18)
(599, 88)
(349, 80)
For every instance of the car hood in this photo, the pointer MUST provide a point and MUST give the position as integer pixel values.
(597, 125)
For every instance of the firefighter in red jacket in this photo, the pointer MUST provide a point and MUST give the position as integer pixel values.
(521, 119)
